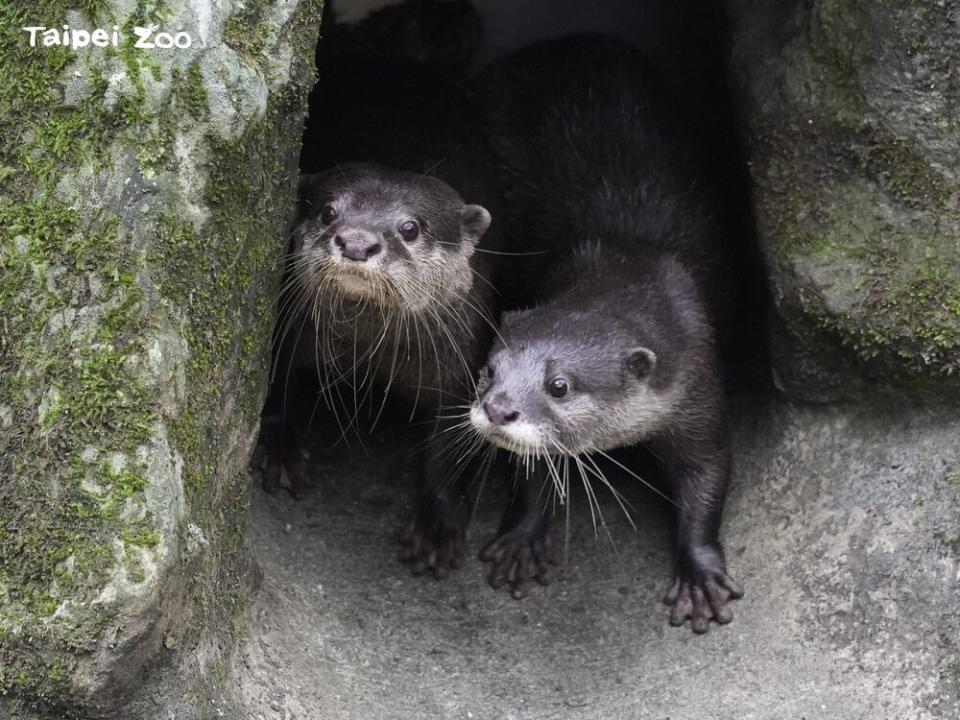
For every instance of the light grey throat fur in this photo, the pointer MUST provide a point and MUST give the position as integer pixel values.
(382, 290)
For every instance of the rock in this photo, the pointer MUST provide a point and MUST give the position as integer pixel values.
(850, 114)
(841, 525)
(145, 194)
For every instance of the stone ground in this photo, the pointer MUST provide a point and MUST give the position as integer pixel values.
(843, 525)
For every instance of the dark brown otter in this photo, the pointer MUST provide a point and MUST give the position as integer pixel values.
(389, 293)
(388, 296)
(619, 346)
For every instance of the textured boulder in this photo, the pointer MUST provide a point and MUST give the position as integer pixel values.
(143, 199)
(851, 124)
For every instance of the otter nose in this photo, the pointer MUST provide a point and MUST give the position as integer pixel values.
(500, 410)
(359, 247)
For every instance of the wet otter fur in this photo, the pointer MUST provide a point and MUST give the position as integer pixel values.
(619, 343)
(389, 294)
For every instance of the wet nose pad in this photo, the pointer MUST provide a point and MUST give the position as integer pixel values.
(499, 412)
(358, 247)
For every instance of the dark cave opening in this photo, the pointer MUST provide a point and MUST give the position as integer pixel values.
(387, 81)
(380, 89)
(386, 84)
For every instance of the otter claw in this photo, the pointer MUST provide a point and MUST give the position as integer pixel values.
(519, 557)
(275, 457)
(433, 543)
(702, 601)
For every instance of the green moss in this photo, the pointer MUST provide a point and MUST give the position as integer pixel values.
(230, 258)
(908, 315)
(190, 93)
(68, 352)
(899, 169)
(897, 272)
(838, 49)
(245, 32)
(74, 313)
(147, 538)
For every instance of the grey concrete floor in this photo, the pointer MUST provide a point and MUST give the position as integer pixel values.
(843, 526)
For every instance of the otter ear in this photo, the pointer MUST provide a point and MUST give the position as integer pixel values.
(474, 221)
(641, 362)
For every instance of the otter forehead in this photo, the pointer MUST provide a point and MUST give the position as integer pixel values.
(587, 347)
(395, 238)
(374, 190)
(379, 199)
(592, 366)
(569, 380)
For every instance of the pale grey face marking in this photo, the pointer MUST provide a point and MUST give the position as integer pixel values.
(562, 382)
(374, 234)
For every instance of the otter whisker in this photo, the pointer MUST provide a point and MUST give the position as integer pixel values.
(462, 445)
(469, 450)
(286, 381)
(490, 285)
(566, 486)
(393, 369)
(554, 475)
(591, 497)
(634, 475)
(416, 398)
(621, 500)
(498, 252)
(456, 349)
(484, 315)
(484, 472)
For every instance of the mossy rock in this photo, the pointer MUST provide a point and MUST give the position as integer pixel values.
(854, 149)
(143, 199)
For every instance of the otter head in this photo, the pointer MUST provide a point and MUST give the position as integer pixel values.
(366, 233)
(560, 381)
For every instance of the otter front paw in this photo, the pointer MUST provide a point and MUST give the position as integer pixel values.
(702, 590)
(433, 542)
(275, 458)
(519, 556)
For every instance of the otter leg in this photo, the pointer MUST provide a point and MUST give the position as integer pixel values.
(523, 550)
(278, 451)
(702, 589)
(435, 538)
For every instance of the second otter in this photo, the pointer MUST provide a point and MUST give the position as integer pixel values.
(620, 347)
(387, 294)
(388, 297)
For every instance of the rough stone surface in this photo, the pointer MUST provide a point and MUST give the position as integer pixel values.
(851, 122)
(142, 193)
(842, 525)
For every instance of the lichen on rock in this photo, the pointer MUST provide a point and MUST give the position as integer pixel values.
(854, 151)
(143, 196)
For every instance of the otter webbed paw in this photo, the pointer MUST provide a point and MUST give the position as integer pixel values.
(519, 556)
(434, 541)
(702, 590)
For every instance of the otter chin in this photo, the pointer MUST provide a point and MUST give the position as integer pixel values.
(354, 285)
(521, 438)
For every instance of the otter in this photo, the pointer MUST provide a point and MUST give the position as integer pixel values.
(387, 295)
(618, 346)
(386, 262)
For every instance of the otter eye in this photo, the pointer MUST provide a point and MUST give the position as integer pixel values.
(328, 213)
(490, 372)
(409, 230)
(558, 387)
